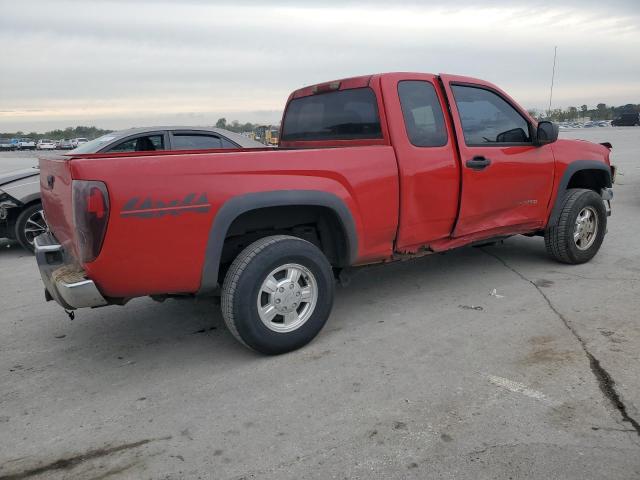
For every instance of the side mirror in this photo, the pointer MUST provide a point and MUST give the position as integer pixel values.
(547, 132)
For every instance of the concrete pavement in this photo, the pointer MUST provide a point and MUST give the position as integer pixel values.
(420, 373)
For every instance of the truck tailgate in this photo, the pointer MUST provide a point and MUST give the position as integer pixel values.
(55, 186)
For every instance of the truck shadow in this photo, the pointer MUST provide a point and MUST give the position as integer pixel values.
(193, 332)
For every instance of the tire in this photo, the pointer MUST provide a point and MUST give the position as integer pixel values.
(30, 224)
(308, 302)
(560, 238)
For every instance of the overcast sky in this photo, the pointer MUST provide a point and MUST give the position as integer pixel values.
(121, 63)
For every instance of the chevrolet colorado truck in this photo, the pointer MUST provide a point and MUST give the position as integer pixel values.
(368, 170)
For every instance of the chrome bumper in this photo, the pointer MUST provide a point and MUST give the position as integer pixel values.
(64, 282)
(607, 196)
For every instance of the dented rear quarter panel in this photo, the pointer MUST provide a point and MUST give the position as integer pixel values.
(155, 254)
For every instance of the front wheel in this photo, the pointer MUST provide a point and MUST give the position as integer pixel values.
(277, 294)
(29, 225)
(579, 231)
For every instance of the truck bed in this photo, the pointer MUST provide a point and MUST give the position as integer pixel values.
(143, 250)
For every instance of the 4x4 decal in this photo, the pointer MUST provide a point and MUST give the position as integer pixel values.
(148, 208)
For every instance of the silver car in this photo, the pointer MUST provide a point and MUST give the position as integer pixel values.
(21, 215)
(7, 144)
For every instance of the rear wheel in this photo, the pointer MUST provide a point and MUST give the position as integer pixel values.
(29, 225)
(577, 235)
(277, 294)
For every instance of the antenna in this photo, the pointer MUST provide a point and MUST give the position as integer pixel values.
(553, 75)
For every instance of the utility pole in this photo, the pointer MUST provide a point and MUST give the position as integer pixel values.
(553, 75)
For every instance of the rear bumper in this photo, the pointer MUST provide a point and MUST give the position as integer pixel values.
(64, 282)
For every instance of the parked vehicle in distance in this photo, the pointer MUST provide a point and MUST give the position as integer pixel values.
(626, 120)
(26, 144)
(65, 144)
(76, 142)
(369, 170)
(45, 144)
(7, 144)
(20, 207)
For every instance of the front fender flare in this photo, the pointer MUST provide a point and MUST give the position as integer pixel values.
(236, 206)
(571, 169)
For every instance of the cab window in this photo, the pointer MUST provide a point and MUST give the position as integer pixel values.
(423, 117)
(350, 114)
(487, 118)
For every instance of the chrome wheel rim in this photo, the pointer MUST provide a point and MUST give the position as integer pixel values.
(586, 228)
(287, 298)
(34, 226)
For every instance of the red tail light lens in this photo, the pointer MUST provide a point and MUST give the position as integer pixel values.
(90, 216)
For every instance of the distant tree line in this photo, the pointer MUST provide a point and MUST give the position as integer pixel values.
(601, 112)
(236, 126)
(68, 133)
(95, 132)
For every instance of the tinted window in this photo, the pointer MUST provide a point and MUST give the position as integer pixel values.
(487, 118)
(339, 115)
(192, 141)
(227, 143)
(140, 144)
(422, 113)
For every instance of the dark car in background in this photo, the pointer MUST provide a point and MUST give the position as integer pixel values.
(21, 216)
(167, 138)
(626, 120)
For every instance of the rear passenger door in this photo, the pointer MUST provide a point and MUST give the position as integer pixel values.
(198, 140)
(425, 149)
(506, 180)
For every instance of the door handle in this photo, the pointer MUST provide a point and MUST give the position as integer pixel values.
(478, 162)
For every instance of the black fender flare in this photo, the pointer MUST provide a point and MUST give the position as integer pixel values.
(236, 206)
(572, 168)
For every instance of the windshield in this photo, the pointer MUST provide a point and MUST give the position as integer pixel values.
(94, 145)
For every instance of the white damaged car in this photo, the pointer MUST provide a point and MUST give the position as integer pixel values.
(21, 216)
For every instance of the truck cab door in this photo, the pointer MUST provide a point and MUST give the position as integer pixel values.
(506, 180)
(428, 167)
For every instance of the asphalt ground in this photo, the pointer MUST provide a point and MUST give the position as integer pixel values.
(491, 362)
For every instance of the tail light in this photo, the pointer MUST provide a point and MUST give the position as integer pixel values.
(90, 216)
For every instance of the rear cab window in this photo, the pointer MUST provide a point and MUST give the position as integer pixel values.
(350, 114)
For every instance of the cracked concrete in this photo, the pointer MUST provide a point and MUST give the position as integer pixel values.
(606, 383)
(404, 381)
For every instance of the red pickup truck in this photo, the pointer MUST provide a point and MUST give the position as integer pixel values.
(369, 169)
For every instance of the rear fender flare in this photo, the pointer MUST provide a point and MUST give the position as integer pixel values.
(236, 206)
(571, 169)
